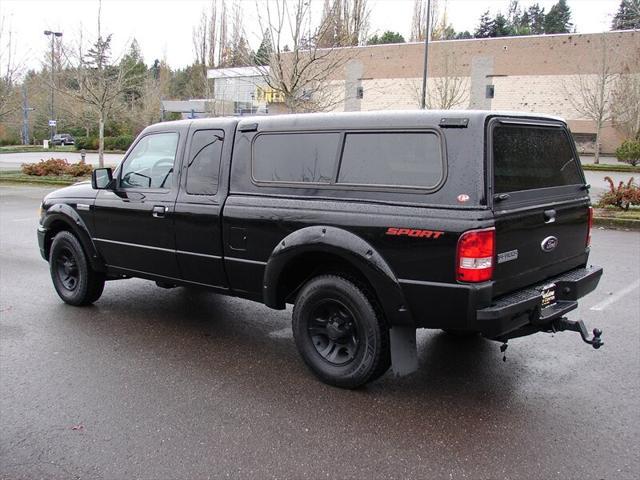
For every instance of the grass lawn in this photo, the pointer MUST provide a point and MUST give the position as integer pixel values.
(616, 218)
(16, 176)
(36, 148)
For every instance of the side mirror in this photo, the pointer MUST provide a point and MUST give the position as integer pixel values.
(101, 178)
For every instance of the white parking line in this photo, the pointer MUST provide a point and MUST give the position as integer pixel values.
(617, 296)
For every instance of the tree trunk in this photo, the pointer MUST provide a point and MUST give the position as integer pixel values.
(596, 153)
(101, 142)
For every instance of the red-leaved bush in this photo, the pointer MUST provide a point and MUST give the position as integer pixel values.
(623, 196)
(56, 166)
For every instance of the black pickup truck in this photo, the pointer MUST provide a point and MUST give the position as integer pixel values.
(370, 224)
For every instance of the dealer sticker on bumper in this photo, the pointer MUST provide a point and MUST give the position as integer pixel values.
(548, 295)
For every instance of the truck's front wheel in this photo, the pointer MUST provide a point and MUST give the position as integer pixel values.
(339, 333)
(73, 278)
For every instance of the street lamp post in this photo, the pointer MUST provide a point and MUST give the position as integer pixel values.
(52, 118)
(426, 57)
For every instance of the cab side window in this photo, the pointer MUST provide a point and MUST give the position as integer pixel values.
(151, 163)
(203, 170)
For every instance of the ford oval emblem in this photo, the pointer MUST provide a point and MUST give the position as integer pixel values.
(549, 244)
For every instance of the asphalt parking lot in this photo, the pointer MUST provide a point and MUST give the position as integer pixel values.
(159, 384)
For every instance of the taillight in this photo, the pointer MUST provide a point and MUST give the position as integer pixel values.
(589, 227)
(476, 250)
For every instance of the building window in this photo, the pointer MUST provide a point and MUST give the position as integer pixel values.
(491, 91)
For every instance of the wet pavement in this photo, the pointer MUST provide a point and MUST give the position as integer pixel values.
(154, 383)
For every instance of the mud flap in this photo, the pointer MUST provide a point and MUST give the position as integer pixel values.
(404, 353)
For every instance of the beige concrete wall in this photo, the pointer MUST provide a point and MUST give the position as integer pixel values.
(530, 74)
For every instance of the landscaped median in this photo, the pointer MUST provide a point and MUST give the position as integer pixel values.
(615, 218)
(611, 167)
(16, 176)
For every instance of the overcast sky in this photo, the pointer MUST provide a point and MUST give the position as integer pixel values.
(163, 28)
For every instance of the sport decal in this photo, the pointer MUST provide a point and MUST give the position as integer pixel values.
(414, 232)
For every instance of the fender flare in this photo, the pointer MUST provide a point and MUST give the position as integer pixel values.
(348, 246)
(61, 212)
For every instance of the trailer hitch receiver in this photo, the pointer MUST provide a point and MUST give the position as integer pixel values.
(562, 324)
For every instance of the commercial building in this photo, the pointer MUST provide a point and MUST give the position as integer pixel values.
(541, 73)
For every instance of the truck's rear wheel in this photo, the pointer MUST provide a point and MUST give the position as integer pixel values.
(73, 278)
(339, 333)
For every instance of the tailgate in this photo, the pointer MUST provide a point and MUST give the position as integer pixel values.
(540, 204)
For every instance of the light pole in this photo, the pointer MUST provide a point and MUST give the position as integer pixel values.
(52, 118)
(426, 57)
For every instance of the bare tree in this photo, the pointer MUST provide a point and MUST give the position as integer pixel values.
(591, 95)
(300, 71)
(223, 40)
(447, 91)
(419, 20)
(10, 69)
(212, 31)
(347, 23)
(625, 104)
(97, 80)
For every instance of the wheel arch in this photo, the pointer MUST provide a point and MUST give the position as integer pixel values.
(61, 217)
(323, 249)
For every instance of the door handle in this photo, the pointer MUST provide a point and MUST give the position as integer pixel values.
(549, 216)
(159, 211)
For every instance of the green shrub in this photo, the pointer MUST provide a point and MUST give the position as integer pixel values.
(56, 167)
(123, 142)
(10, 141)
(622, 197)
(629, 152)
(86, 143)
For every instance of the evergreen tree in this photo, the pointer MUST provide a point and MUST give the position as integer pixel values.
(485, 28)
(265, 49)
(500, 27)
(536, 18)
(135, 70)
(628, 16)
(240, 55)
(386, 37)
(558, 20)
(464, 35)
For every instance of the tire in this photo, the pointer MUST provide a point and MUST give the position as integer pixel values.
(340, 333)
(73, 278)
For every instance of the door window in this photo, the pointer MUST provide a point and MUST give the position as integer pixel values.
(150, 164)
(204, 162)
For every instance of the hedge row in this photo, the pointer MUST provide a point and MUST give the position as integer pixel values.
(121, 142)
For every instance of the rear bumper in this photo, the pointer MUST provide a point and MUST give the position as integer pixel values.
(524, 307)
